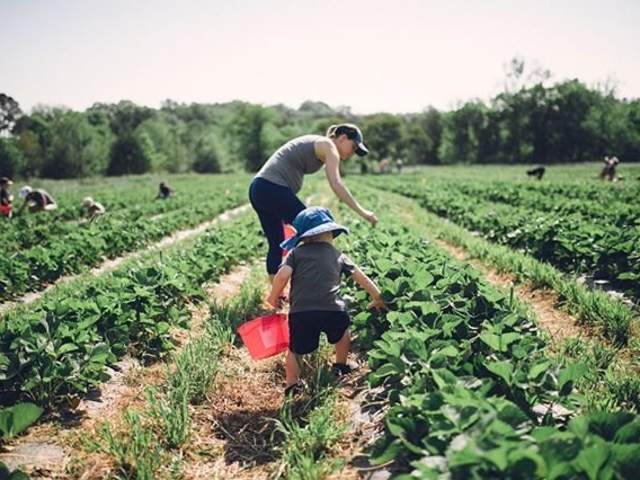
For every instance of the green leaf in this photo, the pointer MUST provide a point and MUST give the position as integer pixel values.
(503, 369)
(499, 343)
(491, 339)
(579, 426)
(99, 353)
(630, 433)
(591, 459)
(569, 375)
(393, 450)
(607, 424)
(498, 456)
(626, 460)
(538, 369)
(17, 418)
(67, 347)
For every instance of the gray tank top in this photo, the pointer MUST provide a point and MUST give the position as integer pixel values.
(288, 165)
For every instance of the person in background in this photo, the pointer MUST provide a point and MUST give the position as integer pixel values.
(609, 170)
(315, 269)
(383, 165)
(399, 164)
(38, 200)
(537, 172)
(164, 191)
(6, 199)
(92, 209)
(273, 191)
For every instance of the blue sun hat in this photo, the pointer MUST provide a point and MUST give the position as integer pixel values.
(313, 221)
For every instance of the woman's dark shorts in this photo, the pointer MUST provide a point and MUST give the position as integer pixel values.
(305, 329)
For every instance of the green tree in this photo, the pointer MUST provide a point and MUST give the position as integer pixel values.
(207, 155)
(9, 112)
(382, 135)
(11, 158)
(76, 149)
(128, 156)
(251, 147)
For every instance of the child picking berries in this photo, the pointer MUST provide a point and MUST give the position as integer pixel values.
(314, 268)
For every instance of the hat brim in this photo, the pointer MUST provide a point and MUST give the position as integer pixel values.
(362, 150)
(336, 228)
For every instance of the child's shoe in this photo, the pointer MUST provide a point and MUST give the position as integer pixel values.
(293, 390)
(341, 369)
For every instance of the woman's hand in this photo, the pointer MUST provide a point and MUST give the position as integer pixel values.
(377, 304)
(370, 217)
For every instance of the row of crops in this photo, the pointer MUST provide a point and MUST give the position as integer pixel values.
(472, 388)
(39, 249)
(576, 227)
(56, 349)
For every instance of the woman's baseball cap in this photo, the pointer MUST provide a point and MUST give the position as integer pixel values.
(353, 133)
(313, 221)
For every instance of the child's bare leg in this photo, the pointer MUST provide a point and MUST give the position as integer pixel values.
(291, 368)
(343, 346)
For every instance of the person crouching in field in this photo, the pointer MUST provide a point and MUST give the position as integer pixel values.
(92, 209)
(164, 191)
(314, 269)
(38, 200)
(6, 199)
(609, 170)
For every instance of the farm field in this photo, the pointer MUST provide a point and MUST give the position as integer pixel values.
(464, 376)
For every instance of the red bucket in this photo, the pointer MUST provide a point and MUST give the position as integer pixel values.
(266, 336)
(289, 232)
(5, 210)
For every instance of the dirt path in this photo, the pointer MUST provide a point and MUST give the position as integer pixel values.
(111, 264)
(49, 449)
(232, 431)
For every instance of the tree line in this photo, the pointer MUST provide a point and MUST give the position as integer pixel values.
(563, 122)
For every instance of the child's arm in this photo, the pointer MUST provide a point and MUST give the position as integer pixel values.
(370, 287)
(279, 282)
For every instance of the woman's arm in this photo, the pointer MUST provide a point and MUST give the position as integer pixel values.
(329, 154)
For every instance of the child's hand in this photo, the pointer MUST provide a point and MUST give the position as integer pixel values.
(274, 301)
(377, 304)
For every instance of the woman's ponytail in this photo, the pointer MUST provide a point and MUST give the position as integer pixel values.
(331, 131)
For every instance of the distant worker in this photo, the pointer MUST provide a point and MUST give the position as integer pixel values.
(37, 200)
(165, 191)
(383, 165)
(92, 208)
(399, 164)
(609, 170)
(6, 199)
(537, 172)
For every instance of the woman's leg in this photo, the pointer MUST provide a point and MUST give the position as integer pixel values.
(274, 205)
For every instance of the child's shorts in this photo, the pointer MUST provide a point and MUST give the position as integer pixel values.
(305, 329)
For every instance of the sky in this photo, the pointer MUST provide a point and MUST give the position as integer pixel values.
(392, 56)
